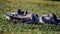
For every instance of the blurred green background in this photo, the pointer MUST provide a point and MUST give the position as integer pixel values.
(35, 6)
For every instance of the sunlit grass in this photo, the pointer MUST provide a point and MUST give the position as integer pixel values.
(35, 6)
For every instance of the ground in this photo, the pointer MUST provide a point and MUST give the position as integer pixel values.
(35, 6)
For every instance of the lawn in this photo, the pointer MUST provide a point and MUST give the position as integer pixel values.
(35, 6)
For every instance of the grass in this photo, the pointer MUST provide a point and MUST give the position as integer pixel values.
(35, 6)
